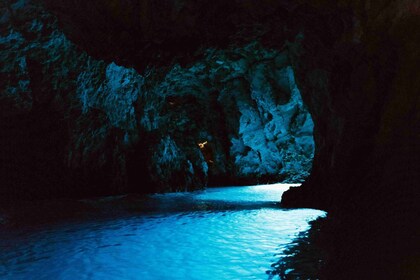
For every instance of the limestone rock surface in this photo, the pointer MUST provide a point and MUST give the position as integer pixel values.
(77, 125)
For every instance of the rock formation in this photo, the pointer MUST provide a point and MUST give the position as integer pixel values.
(64, 115)
(356, 64)
(241, 108)
(76, 125)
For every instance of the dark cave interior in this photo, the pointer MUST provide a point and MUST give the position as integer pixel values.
(356, 64)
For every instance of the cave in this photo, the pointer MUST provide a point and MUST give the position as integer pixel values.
(92, 90)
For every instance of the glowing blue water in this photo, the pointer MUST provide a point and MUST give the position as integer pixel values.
(231, 233)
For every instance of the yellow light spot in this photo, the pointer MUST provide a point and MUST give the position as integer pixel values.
(201, 145)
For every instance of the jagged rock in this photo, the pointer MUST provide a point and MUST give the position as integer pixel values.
(244, 106)
(112, 123)
(67, 119)
(355, 62)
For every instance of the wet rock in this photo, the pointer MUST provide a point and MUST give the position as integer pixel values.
(108, 127)
(67, 119)
(244, 111)
(356, 65)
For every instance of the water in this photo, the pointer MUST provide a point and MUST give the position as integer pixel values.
(227, 233)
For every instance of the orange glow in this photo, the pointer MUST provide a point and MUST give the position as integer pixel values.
(202, 145)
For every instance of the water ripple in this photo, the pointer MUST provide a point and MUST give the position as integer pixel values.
(231, 233)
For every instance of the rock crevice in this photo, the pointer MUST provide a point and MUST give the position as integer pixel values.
(355, 63)
(117, 129)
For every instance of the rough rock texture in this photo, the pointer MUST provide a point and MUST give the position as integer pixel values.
(356, 63)
(359, 78)
(75, 125)
(244, 106)
(66, 119)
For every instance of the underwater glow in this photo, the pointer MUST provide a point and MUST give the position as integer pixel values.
(270, 193)
(207, 242)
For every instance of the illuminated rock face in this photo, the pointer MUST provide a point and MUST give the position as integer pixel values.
(241, 108)
(108, 128)
(355, 63)
(68, 121)
(275, 130)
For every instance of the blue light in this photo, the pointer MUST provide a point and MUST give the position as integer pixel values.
(204, 243)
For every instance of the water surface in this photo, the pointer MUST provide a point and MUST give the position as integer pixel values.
(219, 233)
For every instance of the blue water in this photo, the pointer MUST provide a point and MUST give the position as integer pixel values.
(227, 233)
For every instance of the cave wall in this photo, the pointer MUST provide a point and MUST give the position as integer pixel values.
(243, 103)
(356, 64)
(358, 72)
(74, 125)
(66, 118)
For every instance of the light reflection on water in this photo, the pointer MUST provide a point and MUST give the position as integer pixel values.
(212, 241)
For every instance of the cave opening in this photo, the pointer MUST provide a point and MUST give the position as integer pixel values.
(188, 94)
(235, 117)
